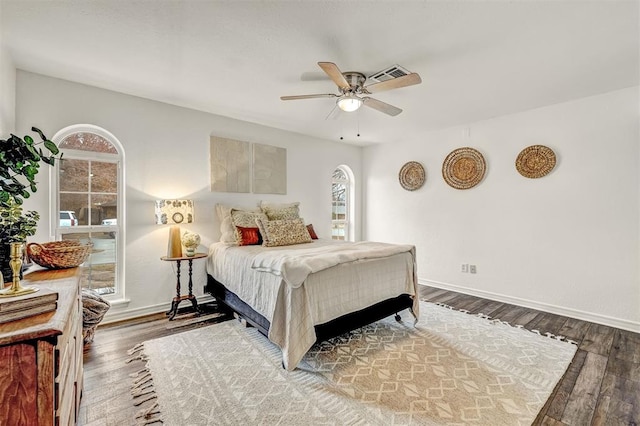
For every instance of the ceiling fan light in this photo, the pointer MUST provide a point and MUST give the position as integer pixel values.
(349, 103)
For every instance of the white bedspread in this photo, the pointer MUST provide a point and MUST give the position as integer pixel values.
(298, 287)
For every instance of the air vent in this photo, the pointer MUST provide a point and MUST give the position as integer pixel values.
(390, 73)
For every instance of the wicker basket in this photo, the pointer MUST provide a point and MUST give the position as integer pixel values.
(59, 254)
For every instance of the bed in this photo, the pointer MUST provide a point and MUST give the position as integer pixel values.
(303, 293)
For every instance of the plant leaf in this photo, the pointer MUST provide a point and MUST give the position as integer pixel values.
(51, 147)
(38, 131)
(33, 152)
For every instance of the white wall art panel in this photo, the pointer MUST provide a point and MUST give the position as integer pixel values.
(269, 169)
(230, 165)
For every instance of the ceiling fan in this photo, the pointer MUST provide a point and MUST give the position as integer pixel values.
(353, 92)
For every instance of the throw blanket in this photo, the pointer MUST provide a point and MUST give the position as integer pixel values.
(295, 268)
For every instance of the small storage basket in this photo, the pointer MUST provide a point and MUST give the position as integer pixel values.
(59, 254)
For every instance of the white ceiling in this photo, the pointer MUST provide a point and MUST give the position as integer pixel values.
(477, 59)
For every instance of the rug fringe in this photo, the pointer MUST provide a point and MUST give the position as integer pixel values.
(149, 415)
(136, 348)
(137, 373)
(498, 321)
(143, 389)
(139, 357)
(142, 379)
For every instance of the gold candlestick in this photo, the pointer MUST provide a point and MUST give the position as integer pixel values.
(16, 263)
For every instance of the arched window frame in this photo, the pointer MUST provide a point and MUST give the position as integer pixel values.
(54, 191)
(348, 221)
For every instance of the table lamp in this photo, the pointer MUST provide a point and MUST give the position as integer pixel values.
(173, 212)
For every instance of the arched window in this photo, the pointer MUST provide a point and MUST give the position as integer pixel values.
(342, 204)
(88, 203)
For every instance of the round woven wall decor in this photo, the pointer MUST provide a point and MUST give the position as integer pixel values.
(412, 176)
(535, 161)
(463, 168)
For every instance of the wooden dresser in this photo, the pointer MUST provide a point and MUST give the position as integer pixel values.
(41, 357)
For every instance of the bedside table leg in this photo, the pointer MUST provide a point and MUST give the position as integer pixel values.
(174, 309)
(193, 299)
(176, 300)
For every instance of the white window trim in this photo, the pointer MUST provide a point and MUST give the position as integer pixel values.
(54, 186)
(350, 200)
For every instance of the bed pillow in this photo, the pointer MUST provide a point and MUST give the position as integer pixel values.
(283, 232)
(227, 231)
(287, 211)
(227, 226)
(248, 236)
(312, 232)
(246, 218)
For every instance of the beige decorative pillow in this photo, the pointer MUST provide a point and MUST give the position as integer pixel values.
(286, 211)
(246, 218)
(283, 232)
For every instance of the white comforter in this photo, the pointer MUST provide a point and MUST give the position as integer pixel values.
(297, 287)
(295, 267)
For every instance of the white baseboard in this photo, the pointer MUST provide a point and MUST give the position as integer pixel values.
(115, 315)
(553, 309)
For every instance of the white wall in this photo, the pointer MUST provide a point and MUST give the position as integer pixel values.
(7, 89)
(167, 156)
(566, 243)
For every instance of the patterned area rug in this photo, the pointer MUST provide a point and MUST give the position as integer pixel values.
(453, 368)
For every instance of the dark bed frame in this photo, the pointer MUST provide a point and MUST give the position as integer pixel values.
(324, 331)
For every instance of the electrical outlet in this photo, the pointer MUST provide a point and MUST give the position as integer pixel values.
(465, 267)
(472, 269)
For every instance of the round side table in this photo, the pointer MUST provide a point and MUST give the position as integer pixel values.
(178, 297)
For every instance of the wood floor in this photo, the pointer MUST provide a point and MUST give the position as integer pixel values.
(601, 387)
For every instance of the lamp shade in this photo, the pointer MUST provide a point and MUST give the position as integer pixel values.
(170, 212)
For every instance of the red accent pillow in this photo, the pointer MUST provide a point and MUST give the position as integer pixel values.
(248, 236)
(312, 232)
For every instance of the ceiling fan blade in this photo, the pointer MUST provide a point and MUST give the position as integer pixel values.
(395, 83)
(295, 97)
(334, 72)
(381, 106)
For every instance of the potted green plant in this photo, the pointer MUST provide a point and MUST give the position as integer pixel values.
(20, 160)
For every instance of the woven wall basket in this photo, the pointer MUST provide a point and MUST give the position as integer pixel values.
(535, 161)
(412, 176)
(463, 168)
